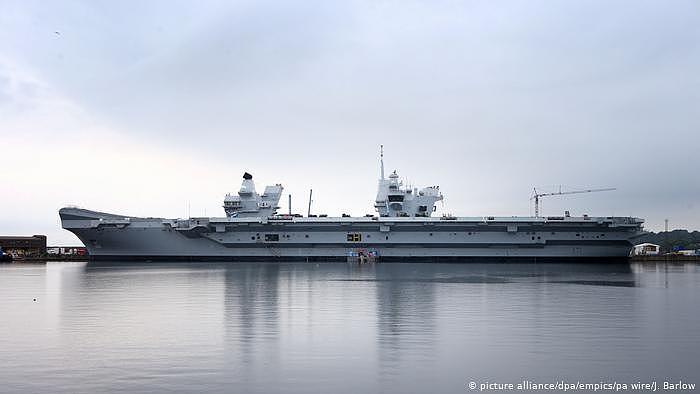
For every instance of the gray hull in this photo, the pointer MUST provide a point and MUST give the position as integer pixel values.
(115, 237)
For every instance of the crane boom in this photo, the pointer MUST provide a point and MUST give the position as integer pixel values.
(536, 196)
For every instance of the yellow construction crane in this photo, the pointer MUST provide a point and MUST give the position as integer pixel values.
(536, 196)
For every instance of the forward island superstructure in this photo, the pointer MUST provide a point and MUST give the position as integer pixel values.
(403, 230)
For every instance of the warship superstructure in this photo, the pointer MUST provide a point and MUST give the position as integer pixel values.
(403, 229)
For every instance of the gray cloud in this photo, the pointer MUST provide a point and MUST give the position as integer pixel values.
(485, 98)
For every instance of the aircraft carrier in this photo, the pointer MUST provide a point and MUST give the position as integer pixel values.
(402, 229)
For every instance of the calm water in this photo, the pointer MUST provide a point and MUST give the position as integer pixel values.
(342, 328)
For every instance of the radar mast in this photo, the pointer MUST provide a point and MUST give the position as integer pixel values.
(381, 161)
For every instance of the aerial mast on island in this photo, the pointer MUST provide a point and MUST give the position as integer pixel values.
(381, 160)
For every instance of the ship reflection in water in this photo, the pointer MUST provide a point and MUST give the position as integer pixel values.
(342, 328)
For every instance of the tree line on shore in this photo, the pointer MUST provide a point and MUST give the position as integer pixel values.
(672, 240)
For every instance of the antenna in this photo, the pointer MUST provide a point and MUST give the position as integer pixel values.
(290, 204)
(311, 192)
(381, 160)
(536, 196)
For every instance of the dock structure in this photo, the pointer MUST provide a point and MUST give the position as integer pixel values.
(668, 258)
(20, 247)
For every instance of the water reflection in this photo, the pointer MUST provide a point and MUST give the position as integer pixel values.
(251, 314)
(619, 283)
(405, 299)
(659, 266)
(295, 327)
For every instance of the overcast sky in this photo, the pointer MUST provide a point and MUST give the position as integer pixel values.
(144, 108)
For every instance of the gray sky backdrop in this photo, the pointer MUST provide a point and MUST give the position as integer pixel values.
(141, 107)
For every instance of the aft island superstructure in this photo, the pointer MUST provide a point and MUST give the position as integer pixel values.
(402, 230)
